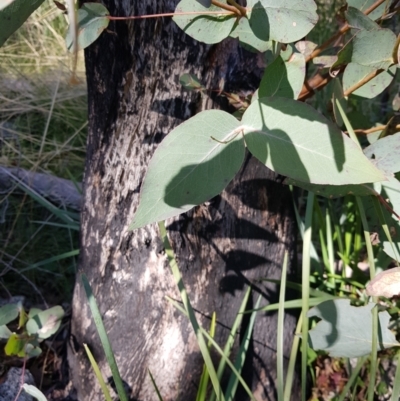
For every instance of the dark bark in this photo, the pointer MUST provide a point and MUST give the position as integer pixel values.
(232, 241)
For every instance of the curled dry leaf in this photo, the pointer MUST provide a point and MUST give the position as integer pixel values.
(385, 284)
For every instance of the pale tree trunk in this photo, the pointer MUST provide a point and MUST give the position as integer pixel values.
(234, 240)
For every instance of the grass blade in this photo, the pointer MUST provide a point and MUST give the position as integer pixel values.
(104, 339)
(98, 374)
(280, 331)
(241, 356)
(185, 299)
(155, 387)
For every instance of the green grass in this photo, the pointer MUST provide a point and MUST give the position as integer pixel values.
(46, 121)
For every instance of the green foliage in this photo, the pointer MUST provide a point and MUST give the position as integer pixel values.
(33, 328)
(14, 14)
(92, 21)
(346, 331)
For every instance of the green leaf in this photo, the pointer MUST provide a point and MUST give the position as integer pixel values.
(285, 21)
(9, 312)
(374, 48)
(385, 153)
(355, 73)
(346, 331)
(34, 392)
(92, 21)
(363, 5)
(392, 251)
(247, 39)
(391, 192)
(338, 95)
(207, 28)
(284, 79)
(5, 332)
(358, 20)
(45, 323)
(14, 345)
(334, 191)
(191, 82)
(13, 14)
(293, 139)
(190, 166)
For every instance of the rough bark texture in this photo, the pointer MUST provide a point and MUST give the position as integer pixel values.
(232, 241)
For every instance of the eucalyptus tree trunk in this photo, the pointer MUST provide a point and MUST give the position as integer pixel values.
(222, 247)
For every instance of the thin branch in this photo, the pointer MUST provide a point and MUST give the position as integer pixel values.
(362, 82)
(341, 32)
(375, 129)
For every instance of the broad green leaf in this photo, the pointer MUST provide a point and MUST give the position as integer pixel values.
(354, 73)
(334, 191)
(45, 323)
(190, 166)
(207, 28)
(15, 345)
(392, 251)
(5, 332)
(283, 21)
(205, 3)
(358, 20)
(34, 392)
(293, 139)
(346, 331)
(386, 153)
(32, 350)
(284, 79)
(247, 39)
(92, 21)
(363, 5)
(13, 14)
(374, 48)
(9, 312)
(391, 192)
(191, 82)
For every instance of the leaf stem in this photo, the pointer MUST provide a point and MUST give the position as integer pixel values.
(243, 10)
(135, 17)
(227, 7)
(374, 129)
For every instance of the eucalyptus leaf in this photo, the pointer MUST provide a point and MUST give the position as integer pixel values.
(334, 191)
(5, 332)
(293, 139)
(207, 28)
(284, 79)
(354, 73)
(357, 19)
(13, 14)
(391, 192)
(393, 250)
(9, 312)
(285, 21)
(92, 21)
(194, 163)
(363, 5)
(346, 330)
(45, 323)
(248, 39)
(386, 153)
